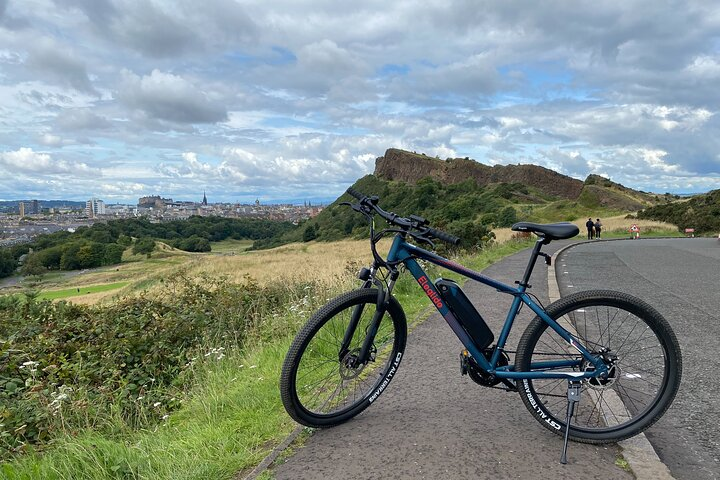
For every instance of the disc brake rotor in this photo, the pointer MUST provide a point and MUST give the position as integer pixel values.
(350, 367)
(599, 383)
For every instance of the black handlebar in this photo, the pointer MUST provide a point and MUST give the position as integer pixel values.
(355, 193)
(445, 237)
(413, 222)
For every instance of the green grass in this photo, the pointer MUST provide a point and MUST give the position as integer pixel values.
(77, 291)
(646, 233)
(227, 424)
(230, 246)
(230, 419)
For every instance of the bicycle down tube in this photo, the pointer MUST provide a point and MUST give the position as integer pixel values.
(403, 252)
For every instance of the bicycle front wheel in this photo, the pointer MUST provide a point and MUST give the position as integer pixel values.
(636, 343)
(322, 384)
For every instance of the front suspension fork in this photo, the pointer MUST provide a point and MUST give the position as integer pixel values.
(383, 298)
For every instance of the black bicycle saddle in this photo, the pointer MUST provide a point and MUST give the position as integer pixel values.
(551, 231)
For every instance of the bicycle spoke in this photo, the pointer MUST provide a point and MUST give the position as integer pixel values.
(326, 383)
(636, 375)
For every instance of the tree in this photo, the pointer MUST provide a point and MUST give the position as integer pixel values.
(193, 244)
(124, 240)
(91, 255)
(50, 257)
(8, 264)
(33, 265)
(310, 233)
(69, 260)
(113, 254)
(143, 245)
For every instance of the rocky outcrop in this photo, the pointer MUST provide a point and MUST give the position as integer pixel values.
(408, 167)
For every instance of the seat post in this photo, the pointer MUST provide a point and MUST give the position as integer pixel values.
(524, 283)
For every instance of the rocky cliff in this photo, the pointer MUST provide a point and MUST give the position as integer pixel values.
(408, 167)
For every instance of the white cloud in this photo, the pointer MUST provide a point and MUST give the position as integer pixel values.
(26, 161)
(51, 140)
(165, 96)
(243, 96)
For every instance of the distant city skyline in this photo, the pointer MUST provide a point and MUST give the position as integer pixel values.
(291, 101)
(83, 200)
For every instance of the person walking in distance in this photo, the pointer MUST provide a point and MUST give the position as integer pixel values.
(590, 228)
(598, 228)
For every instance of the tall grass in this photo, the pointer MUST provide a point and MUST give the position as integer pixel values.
(617, 226)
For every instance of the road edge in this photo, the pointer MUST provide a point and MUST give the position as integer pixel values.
(637, 451)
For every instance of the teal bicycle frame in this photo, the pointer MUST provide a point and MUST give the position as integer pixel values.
(406, 253)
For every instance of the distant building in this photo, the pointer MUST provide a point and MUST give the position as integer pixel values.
(204, 200)
(35, 207)
(21, 206)
(154, 201)
(94, 207)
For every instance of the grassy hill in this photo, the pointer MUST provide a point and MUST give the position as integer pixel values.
(701, 212)
(469, 206)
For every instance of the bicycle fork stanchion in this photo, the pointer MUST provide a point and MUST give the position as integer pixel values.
(573, 396)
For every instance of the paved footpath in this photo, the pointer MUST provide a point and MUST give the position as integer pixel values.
(680, 278)
(433, 423)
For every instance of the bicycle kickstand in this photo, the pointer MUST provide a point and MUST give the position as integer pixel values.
(573, 396)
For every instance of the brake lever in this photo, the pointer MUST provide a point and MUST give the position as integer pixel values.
(355, 206)
(422, 239)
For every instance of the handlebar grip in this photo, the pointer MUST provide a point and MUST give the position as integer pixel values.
(355, 193)
(445, 237)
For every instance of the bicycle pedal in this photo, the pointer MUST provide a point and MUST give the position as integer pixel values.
(464, 360)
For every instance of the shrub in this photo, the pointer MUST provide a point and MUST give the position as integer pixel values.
(8, 264)
(143, 245)
(64, 366)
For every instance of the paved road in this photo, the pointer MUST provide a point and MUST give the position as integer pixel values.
(680, 278)
(433, 423)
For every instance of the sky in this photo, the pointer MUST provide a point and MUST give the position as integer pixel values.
(292, 101)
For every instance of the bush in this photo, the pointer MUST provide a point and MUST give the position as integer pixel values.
(66, 366)
(310, 233)
(507, 217)
(473, 234)
(143, 245)
(8, 264)
(193, 244)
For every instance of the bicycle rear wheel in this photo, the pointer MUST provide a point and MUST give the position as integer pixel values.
(321, 386)
(639, 347)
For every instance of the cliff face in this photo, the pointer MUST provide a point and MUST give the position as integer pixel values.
(409, 167)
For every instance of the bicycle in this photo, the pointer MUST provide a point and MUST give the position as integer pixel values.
(615, 346)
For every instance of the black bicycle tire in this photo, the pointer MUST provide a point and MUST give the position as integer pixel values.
(662, 330)
(288, 392)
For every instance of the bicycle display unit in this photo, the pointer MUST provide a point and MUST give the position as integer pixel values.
(615, 347)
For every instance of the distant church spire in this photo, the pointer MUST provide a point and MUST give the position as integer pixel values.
(204, 202)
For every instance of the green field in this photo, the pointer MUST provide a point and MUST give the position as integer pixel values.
(230, 246)
(77, 291)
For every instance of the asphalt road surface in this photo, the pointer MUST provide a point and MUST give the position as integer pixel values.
(433, 423)
(681, 279)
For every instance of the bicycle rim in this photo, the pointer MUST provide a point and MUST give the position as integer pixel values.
(326, 383)
(640, 353)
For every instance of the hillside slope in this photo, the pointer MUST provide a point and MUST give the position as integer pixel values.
(701, 212)
(467, 198)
